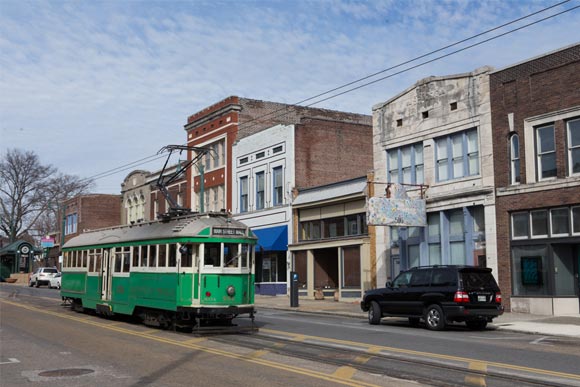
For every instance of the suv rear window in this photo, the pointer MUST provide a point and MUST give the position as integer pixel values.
(49, 270)
(474, 279)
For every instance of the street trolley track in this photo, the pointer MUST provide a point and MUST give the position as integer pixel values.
(400, 363)
(396, 365)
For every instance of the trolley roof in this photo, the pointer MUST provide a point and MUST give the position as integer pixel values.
(198, 225)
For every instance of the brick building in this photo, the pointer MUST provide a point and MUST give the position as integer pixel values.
(535, 109)
(273, 164)
(261, 152)
(90, 212)
(217, 127)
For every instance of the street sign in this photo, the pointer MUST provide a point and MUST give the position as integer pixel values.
(47, 242)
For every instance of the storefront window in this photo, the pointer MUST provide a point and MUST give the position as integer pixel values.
(520, 225)
(333, 227)
(529, 270)
(539, 223)
(560, 221)
(576, 220)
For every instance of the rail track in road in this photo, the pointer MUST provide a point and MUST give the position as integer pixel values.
(432, 369)
(347, 358)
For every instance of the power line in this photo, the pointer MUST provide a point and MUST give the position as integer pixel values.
(406, 62)
(283, 109)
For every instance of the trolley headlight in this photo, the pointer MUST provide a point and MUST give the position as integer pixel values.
(231, 290)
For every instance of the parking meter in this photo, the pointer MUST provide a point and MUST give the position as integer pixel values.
(293, 289)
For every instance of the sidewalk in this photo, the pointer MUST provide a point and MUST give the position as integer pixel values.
(566, 326)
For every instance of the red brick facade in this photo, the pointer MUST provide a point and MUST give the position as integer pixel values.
(542, 86)
(94, 211)
(330, 151)
(236, 118)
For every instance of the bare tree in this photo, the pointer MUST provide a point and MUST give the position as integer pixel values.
(30, 193)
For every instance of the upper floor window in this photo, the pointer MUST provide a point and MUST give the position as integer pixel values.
(215, 158)
(278, 184)
(514, 159)
(260, 190)
(71, 224)
(244, 194)
(546, 152)
(573, 133)
(405, 164)
(457, 155)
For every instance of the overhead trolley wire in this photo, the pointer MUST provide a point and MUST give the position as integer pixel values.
(283, 109)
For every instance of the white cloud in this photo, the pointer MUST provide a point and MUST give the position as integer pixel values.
(91, 86)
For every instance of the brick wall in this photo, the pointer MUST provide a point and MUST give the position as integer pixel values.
(330, 151)
(94, 212)
(543, 85)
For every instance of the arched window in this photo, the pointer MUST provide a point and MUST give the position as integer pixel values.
(514, 159)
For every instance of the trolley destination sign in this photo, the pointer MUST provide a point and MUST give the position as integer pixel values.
(229, 231)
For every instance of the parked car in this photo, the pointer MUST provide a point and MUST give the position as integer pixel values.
(55, 282)
(437, 295)
(42, 276)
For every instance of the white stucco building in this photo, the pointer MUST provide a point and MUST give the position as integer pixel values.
(438, 133)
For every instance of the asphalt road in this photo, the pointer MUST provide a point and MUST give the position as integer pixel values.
(46, 344)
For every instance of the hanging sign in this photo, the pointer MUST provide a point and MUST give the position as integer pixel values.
(396, 210)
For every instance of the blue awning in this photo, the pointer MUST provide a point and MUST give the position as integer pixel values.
(272, 238)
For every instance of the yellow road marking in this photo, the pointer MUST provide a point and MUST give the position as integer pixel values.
(241, 357)
(279, 345)
(376, 349)
(195, 341)
(258, 353)
(362, 359)
(150, 332)
(476, 380)
(345, 372)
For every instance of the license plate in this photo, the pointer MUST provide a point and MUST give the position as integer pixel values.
(481, 298)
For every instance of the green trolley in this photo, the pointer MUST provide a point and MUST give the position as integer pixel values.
(185, 271)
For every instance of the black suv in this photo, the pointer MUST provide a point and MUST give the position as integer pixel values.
(438, 295)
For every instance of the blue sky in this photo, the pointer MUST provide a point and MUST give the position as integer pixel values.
(92, 86)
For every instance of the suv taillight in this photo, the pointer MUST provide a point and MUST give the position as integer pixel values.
(498, 298)
(461, 297)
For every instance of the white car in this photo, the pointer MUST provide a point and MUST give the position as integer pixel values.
(55, 282)
(42, 276)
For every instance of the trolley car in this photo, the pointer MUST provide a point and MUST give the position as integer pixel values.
(184, 271)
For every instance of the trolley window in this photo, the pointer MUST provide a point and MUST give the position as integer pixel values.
(152, 255)
(212, 255)
(126, 259)
(144, 255)
(136, 255)
(231, 254)
(245, 255)
(172, 256)
(187, 256)
(98, 260)
(84, 264)
(162, 260)
(118, 257)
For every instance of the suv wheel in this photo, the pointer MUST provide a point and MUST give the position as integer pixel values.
(374, 313)
(434, 318)
(30, 283)
(476, 325)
